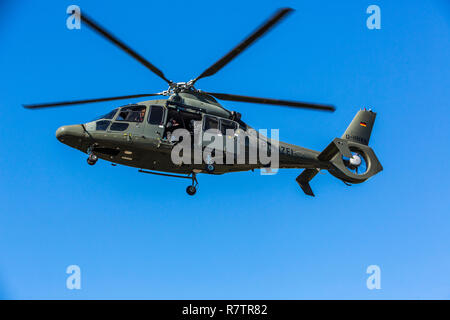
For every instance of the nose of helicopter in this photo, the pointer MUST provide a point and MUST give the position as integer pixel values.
(67, 132)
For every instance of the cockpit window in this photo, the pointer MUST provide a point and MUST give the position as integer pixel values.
(109, 115)
(102, 125)
(132, 114)
(119, 126)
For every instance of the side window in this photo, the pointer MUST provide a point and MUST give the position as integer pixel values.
(227, 125)
(131, 114)
(211, 123)
(156, 115)
(102, 125)
(118, 126)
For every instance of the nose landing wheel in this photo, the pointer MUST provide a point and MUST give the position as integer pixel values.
(92, 159)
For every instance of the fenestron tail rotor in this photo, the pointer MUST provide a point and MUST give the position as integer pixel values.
(357, 164)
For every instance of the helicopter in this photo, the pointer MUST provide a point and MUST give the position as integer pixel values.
(141, 134)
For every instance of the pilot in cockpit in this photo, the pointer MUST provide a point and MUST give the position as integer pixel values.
(141, 116)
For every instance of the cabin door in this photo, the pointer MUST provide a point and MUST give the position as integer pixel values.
(154, 127)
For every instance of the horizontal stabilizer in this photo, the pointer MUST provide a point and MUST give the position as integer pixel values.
(304, 178)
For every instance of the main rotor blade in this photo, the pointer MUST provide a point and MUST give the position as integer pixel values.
(73, 102)
(96, 27)
(280, 14)
(278, 102)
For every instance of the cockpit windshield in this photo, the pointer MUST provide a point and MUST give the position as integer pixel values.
(109, 115)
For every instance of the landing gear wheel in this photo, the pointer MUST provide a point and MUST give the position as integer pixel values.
(210, 168)
(191, 190)
(92, 159)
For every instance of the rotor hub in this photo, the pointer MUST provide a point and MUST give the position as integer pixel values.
(177, 87)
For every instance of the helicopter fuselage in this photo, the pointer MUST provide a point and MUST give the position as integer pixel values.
(136, 135)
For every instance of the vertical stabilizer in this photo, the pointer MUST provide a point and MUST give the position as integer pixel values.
(360, 128)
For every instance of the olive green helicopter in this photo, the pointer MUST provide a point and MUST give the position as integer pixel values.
(141, 134)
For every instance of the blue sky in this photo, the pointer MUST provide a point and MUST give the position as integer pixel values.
(242, 235)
